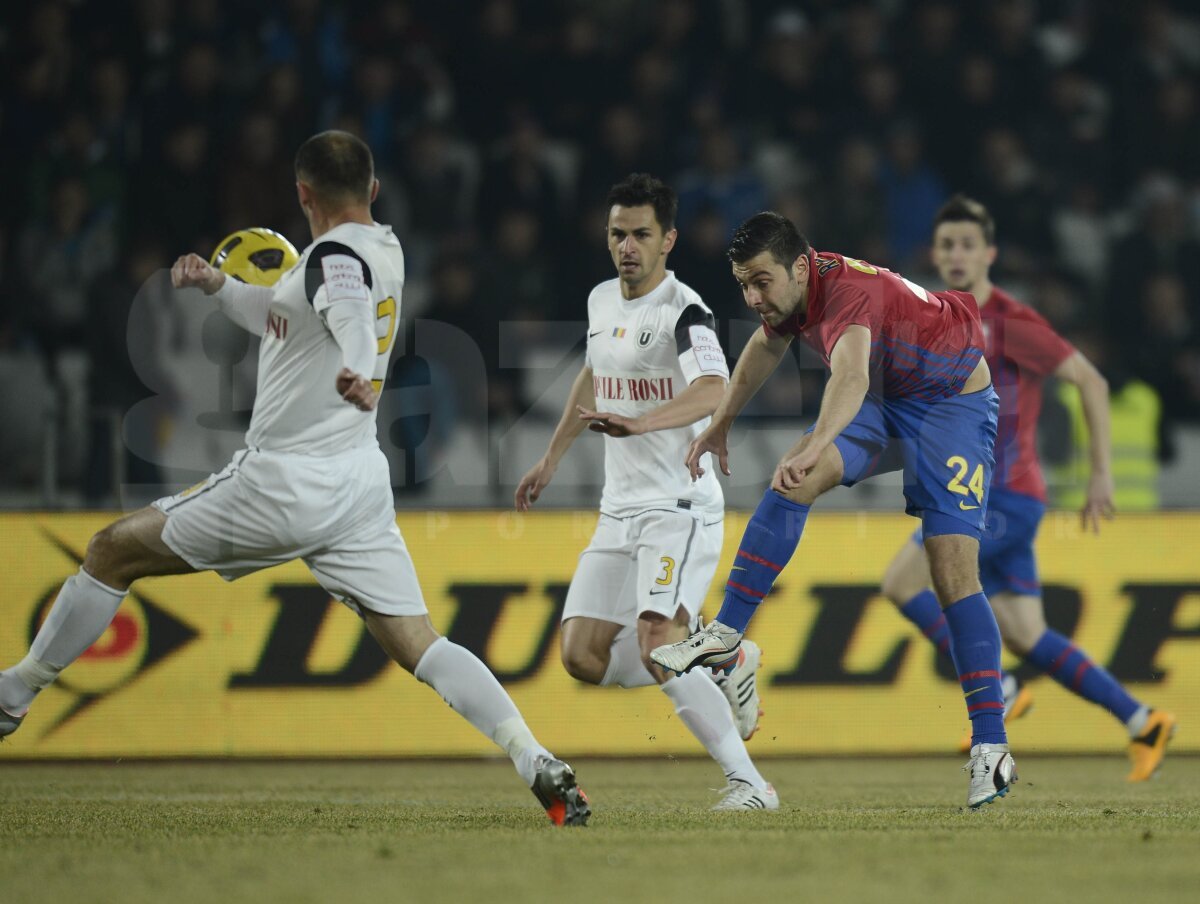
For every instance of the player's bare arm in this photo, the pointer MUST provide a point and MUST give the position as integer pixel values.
(849, 380)
(569, 427)
(246, 305)
(698, 401)
(758, 361)
(191, 270)
(1093, 393)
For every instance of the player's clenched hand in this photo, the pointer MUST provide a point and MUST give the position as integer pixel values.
(193, 270)
(357, 390)
(532, 484)
(610, 424)
(790, 472)
(1099, 502)
(713, 441)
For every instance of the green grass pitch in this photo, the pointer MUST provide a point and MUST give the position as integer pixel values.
(883, 829)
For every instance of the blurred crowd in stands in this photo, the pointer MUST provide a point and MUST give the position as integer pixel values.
(135, 130)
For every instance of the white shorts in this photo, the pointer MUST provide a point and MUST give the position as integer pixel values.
(267, 508)
(653, 562)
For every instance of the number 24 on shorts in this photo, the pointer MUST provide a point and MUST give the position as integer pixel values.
(974, 486)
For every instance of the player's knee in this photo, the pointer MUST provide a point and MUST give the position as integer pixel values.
(808, 492)
(955, 580)
(895, 585)
(1017, 644)
(954, 567)
(819, 481)
(1019, 635)
(107, 558)
(582, 664)
(951, 589)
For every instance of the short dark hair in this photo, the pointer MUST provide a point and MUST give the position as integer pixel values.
(641, 189)
(768, 231)
(337, 165)
(962, 209)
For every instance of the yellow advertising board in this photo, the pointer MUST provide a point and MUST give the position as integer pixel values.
(270, 666)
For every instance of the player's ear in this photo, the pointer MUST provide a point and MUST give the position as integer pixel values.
(304, 194)
(669, 240)
(800, 268)
(991, 254)
(374, 190)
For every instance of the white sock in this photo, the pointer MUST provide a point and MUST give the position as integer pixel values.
(705, 711)
(1137, 722)
(474, 693)
(82, 613)
(625, 666)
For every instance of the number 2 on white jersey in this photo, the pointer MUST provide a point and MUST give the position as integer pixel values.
(385, 309)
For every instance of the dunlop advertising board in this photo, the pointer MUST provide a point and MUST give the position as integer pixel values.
(270, 666)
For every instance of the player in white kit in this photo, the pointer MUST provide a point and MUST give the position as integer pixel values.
(311, 483)
(654, 373)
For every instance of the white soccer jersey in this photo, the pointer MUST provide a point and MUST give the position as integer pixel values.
(297, 408)
(642, 353)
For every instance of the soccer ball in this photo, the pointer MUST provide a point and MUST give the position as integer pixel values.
(257, 256)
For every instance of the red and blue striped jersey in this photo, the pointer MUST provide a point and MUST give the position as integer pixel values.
(1022, 349)
(924, 345)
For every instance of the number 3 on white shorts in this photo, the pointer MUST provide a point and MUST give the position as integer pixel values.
(668, 567)
(974, 486)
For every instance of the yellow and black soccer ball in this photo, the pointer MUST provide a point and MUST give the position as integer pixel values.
(257, 256)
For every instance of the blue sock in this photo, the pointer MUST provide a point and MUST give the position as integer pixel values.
(767, 546)
(924, 612)
(975, 646)
(1070, 666)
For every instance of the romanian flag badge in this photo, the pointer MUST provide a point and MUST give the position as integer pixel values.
(619, 332)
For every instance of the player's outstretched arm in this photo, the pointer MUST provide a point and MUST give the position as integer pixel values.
(699, 400)
(759, 359)
(569, 427)
(193, 271)
(245, 305)
(1093, 393)
(849, 380)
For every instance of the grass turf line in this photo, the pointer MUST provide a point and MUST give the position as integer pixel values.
(850, 830)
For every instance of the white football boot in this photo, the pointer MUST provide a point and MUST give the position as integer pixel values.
(715, 647)
(993, 772)
(740, 687)
(740, 795)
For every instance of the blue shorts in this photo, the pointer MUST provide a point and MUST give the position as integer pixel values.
(944, 447)
(1007, 563)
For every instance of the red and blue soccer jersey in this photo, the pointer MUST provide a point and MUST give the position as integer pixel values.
(1022, 349)
(924, 345)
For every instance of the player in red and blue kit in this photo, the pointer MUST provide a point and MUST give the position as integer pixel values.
(908, 388)
(1022, 350)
